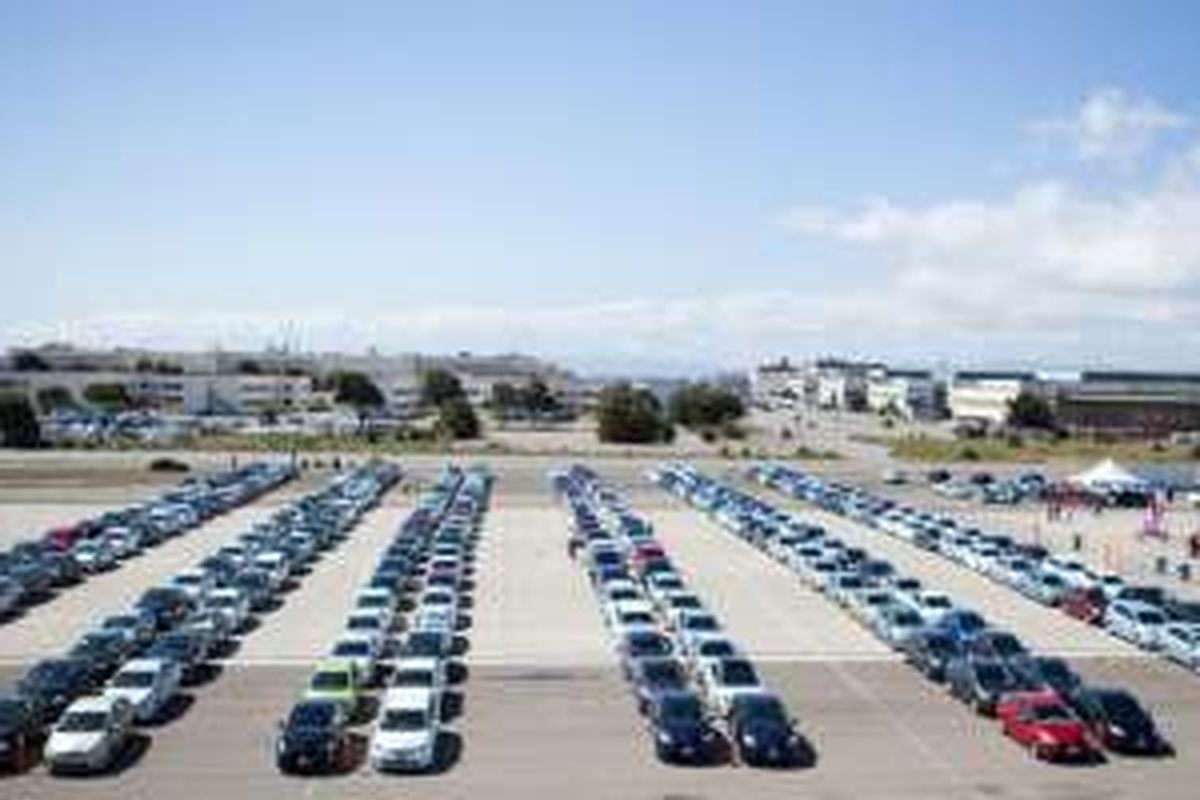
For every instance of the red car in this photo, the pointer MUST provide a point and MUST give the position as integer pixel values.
(647, 551)
(66, 537)
(1085, 604)
(1046, 726)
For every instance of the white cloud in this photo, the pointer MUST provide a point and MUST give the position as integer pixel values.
(1113, 125)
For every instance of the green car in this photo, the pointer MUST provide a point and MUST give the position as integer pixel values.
(336, 680)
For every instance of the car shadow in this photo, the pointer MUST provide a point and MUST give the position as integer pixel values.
(457, 672)
(460, 646)
(175, 708)
(204, 674)
(368, 707)
(453, 704)
(28, 761)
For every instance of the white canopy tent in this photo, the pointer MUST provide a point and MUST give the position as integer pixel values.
(1108, 475)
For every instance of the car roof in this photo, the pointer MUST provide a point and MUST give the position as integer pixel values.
(408, 697)
(95, 702)
(143, 665)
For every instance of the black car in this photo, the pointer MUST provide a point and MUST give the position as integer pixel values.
(931, 652)
(761, 730)
(651, 677)
(1182, 610)
(636, 645)
(996, 645)
(103, 650)
(64, 569)
(1118, 720)
(20, 726)
(313, 738)
(981, 683)
(136, 625)
(55, 683)
(184, 648)
(169, 605)
(1048, 671)
(682, 729)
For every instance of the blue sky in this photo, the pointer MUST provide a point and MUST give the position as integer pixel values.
(624, 185)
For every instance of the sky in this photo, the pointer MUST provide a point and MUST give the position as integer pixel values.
(627, 187)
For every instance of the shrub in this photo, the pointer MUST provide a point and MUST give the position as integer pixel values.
(166, 464)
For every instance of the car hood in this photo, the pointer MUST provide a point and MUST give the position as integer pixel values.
(135, 695)
(402, 740)
(63, 742)
(1063, 732)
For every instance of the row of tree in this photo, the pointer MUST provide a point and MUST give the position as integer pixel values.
(629, 415)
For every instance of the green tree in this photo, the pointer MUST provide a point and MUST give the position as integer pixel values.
(438, 386)
(1031, 410)
(18, 424)
(457, 419)
(110, 397)
(53, 398)
(631, 416)
(358, 390)
(703, 405)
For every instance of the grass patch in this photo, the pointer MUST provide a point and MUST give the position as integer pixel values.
(925, 448)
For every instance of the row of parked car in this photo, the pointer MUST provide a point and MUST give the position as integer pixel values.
(394, 660)
(1041, 702)
(132, 668)
(1147, 616)
(689, 679)
(32, 570)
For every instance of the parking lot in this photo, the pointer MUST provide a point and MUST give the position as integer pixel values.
(545, 709)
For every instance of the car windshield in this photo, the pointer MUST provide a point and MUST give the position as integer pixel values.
(717, 649)
(412, 677)
(371, 601)
(224, 601)
(970, 622)
(352, 649)
(906, 619)
(660, 672)
(738, 673)
(1150, 617)
(991, 676)
(637, 618)
(436, 599)
(311, 715)
(701, 623)
(120, 622)
(1056, 672)
(1007, 646)
(682, 708)
(940, 645)
(649, 646)
(189, 580)
(365, 623)
(83, 722)
(1122, 707)
(133, 679)
(937, 601)
(1050, 712)
(762, 708)
(331, 681)
(403, 720)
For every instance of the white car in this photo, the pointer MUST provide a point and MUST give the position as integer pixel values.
(90, 735)
(405, 736)
(1181, 643)
(440, 597)
(1137, 622)
(897, 624)
(435, 621)
(381, 601)
(231, 604)
(419, 672)
(724, 679)
(148, 684)
(195, 583)
(707, 649)
(633, 616)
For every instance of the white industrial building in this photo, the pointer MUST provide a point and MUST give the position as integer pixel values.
(985, 397)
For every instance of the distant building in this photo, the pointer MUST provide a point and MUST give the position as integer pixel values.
(911, 394)
(836, 383)
(984, 397)
(174, 394)
(777, 380)
(1129, 403)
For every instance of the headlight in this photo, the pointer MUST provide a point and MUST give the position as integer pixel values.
(1044, 738)
(749, 740)
(1117, 730)
(664, 737)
